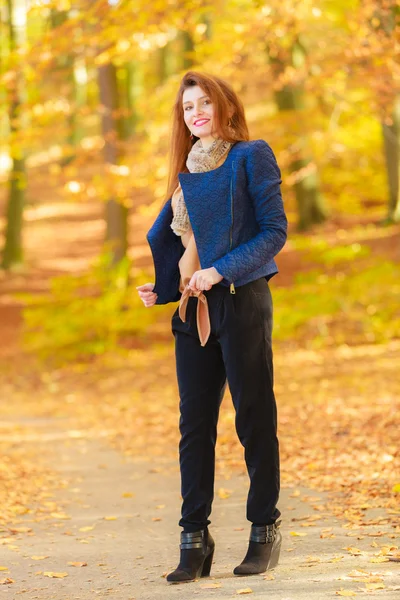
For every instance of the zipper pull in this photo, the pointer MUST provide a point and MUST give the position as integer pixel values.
(232, 289)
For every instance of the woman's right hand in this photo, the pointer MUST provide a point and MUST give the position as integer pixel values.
(147, 295)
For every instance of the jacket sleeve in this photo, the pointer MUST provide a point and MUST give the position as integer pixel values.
(167, 249)
(263, 180)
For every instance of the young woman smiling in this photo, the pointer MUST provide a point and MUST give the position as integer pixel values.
(213, 246)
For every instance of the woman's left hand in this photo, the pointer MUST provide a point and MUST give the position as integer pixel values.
(204, 279)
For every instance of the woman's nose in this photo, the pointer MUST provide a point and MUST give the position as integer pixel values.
(198, 111)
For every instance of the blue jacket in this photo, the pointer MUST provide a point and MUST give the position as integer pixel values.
(237, 216)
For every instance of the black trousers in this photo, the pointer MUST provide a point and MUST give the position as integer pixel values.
(238, 351)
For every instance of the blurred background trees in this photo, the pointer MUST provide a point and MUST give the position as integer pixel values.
(87, 88)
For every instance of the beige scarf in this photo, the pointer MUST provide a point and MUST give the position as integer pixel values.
(199, 160)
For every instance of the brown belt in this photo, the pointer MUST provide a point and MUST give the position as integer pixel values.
(202, 316)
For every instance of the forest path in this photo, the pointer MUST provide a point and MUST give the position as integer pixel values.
(119, 515)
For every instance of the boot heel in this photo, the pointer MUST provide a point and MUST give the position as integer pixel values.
(274, 559)
(207, 565)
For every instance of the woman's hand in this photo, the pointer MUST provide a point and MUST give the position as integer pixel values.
(147, 295)
(204, 279)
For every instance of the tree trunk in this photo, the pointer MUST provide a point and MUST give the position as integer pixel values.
(116, 213)
(187, 46)
(162, 70)
(310, 203)
(391, 140)
(76, 76)
(13, 252)
(127, 116)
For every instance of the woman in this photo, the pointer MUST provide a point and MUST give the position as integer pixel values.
(213, 247)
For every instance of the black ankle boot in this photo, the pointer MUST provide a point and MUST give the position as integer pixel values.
(263, 551)
(197, 551)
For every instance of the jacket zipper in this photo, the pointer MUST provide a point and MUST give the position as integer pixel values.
(232, 286)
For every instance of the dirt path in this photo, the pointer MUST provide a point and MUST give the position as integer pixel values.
(119, 515)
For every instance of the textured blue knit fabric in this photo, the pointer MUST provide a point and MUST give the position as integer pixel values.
(237, 216)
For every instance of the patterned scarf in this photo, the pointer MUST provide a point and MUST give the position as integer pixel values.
(199, 160)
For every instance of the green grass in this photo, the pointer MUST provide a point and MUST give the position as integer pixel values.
(361, 305)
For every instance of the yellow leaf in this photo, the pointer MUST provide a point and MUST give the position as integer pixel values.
(55, 575)
(224, 493)
(269, 577)
(346, 593)
(335, 559)
(396, 488)
(244, 591)
(57, 515)
(156, 519)
(6, 581)
(375, 586)
(210, 586)
(353, 551)
(296, 534)
(358, 573)
(3, 568)
(110, 518)
(87, 528)
(39, 557)
(77, 564)
(379, 559)
(127, 495)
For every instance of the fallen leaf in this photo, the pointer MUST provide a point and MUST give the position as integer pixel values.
(156, 519)
(296, 534)
(358, 573)
(55, 575)
(379, 559)
(313, 559)
(110, 518)
(127, 495)
(224, 493)
(77, 564)
(346, 593)
(396, 488)
(295, 494)
(3, 568)
(87, 528)
(353, 551)
(375, 586)
(6, 581)
(21, 529)
(210, 586)
(269, 577)
(39, 557)
(244, 591)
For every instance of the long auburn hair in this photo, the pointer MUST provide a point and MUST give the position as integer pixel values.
(224, 98)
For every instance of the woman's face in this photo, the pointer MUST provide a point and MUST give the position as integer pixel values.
(198, 113)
